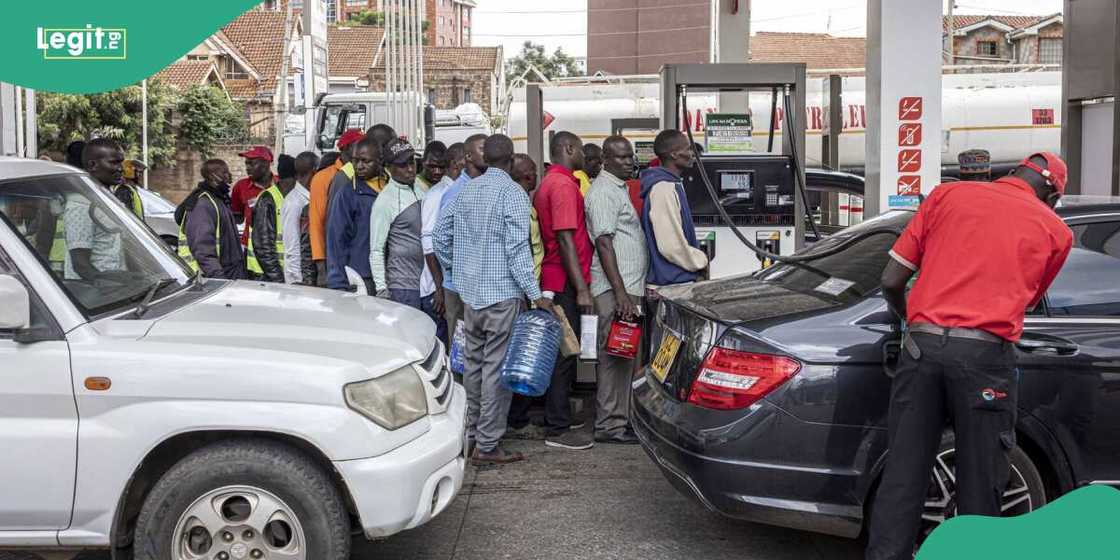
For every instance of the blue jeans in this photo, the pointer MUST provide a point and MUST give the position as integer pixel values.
(412, 299)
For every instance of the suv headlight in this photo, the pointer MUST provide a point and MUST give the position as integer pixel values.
(392, 400)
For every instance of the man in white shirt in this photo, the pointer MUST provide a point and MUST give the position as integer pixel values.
(437, 161)
(298, 266)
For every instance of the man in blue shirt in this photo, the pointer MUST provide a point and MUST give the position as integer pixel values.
(482, 238)
(348, 216)
(472, 166)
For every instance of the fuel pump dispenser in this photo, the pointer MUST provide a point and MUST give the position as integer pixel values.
(758, 190)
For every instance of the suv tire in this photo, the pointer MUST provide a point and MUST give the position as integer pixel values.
(267, 473)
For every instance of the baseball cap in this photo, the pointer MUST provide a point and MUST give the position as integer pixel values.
(351, 136)
(1055, 171)
(399, 152)
(257, 152)
(286, 166)
(975, 161)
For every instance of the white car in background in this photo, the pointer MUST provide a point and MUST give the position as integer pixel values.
(148, 411)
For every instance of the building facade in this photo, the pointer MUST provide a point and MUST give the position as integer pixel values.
(449, 21)
(457, 75)
(639, 36)
(989, 39)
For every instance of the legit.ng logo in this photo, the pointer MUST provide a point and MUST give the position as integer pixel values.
(88, 43)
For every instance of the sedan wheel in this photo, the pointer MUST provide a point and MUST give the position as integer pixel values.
(1024, 492)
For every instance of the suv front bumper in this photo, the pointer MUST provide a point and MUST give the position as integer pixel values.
(410, 485)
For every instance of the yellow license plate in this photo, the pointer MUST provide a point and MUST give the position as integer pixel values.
(665, 355)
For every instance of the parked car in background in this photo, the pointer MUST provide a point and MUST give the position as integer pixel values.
(766, 397)
(162, 415)
(159, 214)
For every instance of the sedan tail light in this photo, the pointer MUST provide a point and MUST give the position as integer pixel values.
(733, 379)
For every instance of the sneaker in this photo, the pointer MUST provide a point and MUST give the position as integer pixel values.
(499, 456)
(625, 438)
(575, 441)
(529, 431)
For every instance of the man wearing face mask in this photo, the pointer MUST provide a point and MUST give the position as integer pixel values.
(963, 316)
(208, 240)
(258, 167)
(348, 217)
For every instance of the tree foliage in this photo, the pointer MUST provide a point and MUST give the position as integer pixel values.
(115, 114)
(377, 19)
(559, 65)
(208, 117)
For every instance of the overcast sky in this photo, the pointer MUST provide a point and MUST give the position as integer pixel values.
(563, 23)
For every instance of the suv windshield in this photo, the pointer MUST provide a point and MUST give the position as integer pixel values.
(104, 258)
(852, 273)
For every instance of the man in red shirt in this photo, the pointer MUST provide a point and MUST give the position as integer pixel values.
(986, 252)
(243, 196)
(565, 275)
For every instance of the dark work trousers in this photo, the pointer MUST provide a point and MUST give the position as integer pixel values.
(557, 406)
(971, 384)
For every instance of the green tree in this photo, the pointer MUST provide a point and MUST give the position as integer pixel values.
(377, 19)
(207, 117)
(115, 114)
(559, 65)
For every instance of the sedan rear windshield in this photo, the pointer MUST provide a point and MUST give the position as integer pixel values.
(850, 274)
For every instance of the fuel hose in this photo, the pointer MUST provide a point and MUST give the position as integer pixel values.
(789, 259)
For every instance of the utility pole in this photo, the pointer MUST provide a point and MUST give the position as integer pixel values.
(280, 121)
(952, 32)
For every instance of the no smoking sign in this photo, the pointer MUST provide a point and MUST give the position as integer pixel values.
(910, 109)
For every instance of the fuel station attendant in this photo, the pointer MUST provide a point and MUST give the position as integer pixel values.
(985, 252)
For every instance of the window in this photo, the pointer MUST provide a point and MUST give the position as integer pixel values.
(987, 48)
(41, 319)
(1050, 51)
(432, 91)
(100, 254)
(1087, 284)
(466, 95)
(198, 57)
(356, 3)
(297, 4)
(441, 21)
(332, 10)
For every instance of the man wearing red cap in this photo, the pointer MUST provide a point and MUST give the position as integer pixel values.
(320, 189)
(986, 252)
(258, 168)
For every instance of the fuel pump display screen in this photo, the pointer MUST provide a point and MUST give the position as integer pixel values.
(736, 181)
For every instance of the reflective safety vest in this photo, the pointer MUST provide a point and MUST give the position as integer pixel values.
(57, 255)
(184, 246)
(137, 204)
(251, 262)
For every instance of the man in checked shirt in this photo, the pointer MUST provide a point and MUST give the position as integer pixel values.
(483, 239)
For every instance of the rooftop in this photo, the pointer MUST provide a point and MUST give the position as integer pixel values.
(352, 49)
(259, 36)
(816, 50)
(185, 73)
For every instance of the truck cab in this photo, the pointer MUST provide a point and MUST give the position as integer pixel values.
(147, 410)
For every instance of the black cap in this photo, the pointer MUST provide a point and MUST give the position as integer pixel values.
(286, 166)
(399, 152)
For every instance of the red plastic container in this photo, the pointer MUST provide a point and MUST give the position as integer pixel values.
(624, 339)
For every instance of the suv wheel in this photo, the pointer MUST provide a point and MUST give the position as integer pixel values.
(243, 500)
(1024, 494)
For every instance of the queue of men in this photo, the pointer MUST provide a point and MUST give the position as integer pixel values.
(467, 233)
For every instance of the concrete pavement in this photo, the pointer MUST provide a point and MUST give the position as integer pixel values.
(610, 502)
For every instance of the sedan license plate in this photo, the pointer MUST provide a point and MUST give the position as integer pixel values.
(665, 355)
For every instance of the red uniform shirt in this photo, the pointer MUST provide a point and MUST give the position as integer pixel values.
(242, 197)
(985, 252)
(560, 207)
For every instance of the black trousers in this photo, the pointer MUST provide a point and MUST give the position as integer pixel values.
(971, 384)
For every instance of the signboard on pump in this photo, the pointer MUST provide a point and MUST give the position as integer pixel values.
(728, 134)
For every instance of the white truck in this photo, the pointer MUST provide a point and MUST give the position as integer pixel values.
(163, 416)
(337, 112)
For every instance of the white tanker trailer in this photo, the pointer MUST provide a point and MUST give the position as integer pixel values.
(1009, 114)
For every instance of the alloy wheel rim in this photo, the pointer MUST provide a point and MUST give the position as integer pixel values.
(239, 523)
(941, 502)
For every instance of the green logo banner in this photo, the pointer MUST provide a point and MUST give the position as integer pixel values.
(1081, 524)
(87, 46)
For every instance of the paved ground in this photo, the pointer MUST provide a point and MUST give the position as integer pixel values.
(607, 503)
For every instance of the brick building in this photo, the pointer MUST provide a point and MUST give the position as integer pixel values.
(988, 39)
(638, 36)
(449, 21)
(457, 75)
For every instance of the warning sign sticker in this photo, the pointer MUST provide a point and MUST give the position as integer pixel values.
(910, 109)
(910, 184)
(909, 161)
(910, 134)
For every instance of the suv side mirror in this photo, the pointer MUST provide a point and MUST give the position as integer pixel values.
(325, 142)
(15, 304)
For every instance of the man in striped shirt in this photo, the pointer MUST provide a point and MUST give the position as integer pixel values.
(618, 276)
(482, 238)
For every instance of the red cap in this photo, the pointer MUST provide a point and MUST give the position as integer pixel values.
(1055, 171)
(351, 136)
(257, 152)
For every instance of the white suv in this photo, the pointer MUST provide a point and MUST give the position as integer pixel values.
(146, 410)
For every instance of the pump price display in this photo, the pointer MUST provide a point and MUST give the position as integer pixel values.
(728, 133)
(735, 181)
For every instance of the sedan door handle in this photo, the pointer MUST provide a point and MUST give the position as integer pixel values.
(1047, 346)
